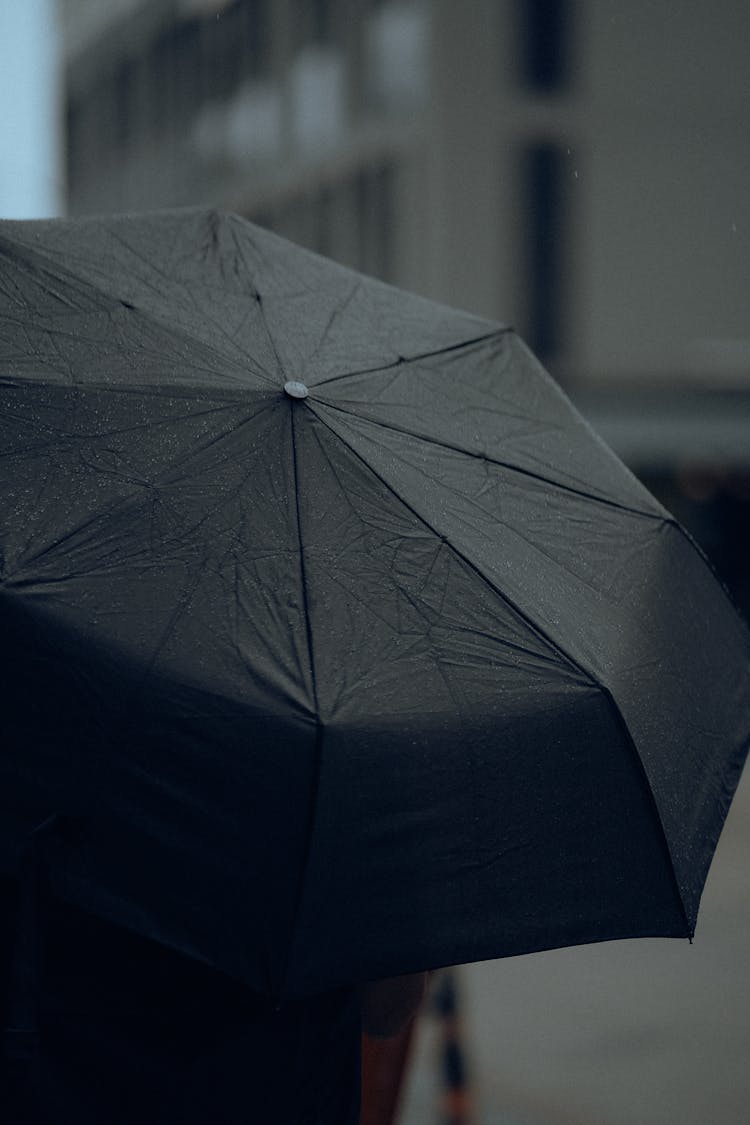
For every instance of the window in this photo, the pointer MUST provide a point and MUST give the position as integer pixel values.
(544, 39)
(234, 41)
(313, 22)
(188, 76)
(542, 204)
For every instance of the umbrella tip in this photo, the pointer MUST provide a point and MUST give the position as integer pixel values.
(295, 389)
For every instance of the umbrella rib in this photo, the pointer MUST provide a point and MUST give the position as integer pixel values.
(318, 751)
(269, 334)
(48, 265)
(189, 339)
(620, 718)
(400, 360)
(337, 312)
(56, 437)
(303, 574)
(258, 296)
(144, 487)
(532, 625)
(729, 598)
(502, 464)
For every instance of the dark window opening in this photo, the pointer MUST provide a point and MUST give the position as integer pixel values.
(544, 44)
(233, 46)
(224, 47)
(188, 73)
(312, 22)
(543, 209)
(161, 82)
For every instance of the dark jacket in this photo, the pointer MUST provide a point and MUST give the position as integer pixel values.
(130, 1033)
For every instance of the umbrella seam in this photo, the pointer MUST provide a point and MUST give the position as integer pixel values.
(690, 929)
(495, 334)
(228, 220)
(318, 750)
(714, 572)
(233, 392)
(303, 574)
(337, 311)
(147, 489)
(503, 465)
(54, 330)
(48, 265)
(118, 238)
(547, 640)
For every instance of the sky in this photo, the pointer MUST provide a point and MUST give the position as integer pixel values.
(31, 172)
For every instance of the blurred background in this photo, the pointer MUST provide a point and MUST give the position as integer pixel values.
(579, 169)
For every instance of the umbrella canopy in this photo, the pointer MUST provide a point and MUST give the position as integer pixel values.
(335, 640)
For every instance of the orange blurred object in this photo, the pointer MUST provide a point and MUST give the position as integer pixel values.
(384, 1067)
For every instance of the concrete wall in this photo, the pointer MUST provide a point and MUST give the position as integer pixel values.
(665, 246)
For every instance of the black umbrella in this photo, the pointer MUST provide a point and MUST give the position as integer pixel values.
(336, 645)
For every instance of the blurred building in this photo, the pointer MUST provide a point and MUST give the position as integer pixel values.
(579, 168)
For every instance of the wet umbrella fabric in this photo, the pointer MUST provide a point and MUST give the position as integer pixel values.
(335, 642)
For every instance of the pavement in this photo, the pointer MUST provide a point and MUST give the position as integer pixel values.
(642, 1032)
